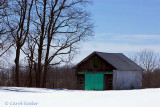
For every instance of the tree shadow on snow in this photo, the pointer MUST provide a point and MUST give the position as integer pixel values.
(13, 89)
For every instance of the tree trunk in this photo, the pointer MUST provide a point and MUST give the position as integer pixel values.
(39, 70)
(46, 63)
(30, 75)
(44, 76)
(17, 66)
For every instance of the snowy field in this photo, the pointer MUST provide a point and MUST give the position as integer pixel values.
(33, 97)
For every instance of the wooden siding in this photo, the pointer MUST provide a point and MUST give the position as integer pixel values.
(81, 86)
(108, 81)
(88, 65)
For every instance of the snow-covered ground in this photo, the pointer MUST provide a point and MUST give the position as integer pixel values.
(34, 97)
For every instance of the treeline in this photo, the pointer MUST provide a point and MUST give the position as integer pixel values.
(151, 80)
(149, 60)
(46, 33)
(64, 76)
(57, 77)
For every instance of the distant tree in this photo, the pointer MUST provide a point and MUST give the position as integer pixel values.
(61, 77)
(149, 61)
(155, 83)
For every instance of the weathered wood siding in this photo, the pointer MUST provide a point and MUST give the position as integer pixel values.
(108, 78)
(81, 86)
(87, 65)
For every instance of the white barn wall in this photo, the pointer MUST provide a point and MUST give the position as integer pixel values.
(127, 79)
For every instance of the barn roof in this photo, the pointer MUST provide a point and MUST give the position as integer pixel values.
(117, 60)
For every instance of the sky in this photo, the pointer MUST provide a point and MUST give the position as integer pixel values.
(123, 26)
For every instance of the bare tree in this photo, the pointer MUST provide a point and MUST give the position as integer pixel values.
(3, 35)
(3, 5)
(60, 24)
(48, 32)
(5, 43)
(19, 23)
(29, 50)
(149, 61)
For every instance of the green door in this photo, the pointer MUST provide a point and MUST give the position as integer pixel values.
(98, 82)
(89, 81)
(94, 81)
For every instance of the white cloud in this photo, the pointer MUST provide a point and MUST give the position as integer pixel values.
(119, 43)
(144, 36)
(117, 47)
(126, 36)
(110, 42)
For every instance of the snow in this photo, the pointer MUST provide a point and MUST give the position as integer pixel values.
(42, 97)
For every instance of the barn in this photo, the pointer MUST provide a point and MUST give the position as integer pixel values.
(108, 71)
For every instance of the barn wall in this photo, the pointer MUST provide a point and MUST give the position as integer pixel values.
(88, 65)
(127, 79)
(107, 85)
(81, 78)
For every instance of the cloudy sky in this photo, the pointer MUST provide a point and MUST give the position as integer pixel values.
(123, 26)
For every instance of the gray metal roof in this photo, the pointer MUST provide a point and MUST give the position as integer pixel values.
(117, 60)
